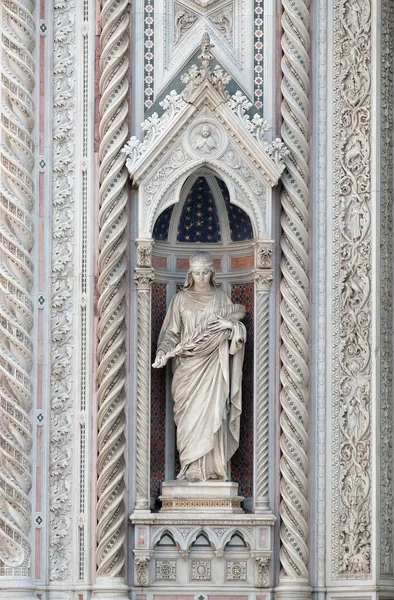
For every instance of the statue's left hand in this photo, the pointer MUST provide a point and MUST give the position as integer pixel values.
(221, 324)
(160, 360)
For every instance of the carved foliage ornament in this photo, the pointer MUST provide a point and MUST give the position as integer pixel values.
(176, 104)
(62, 339)
(351, 540)
(263, 561)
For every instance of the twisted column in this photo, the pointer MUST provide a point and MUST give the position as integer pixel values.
(144, 278)
(262, 282)
(16, 280)
(111, 511)
(294, 375)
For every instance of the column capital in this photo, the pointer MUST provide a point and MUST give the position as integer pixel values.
(263, 279)
(144, 277)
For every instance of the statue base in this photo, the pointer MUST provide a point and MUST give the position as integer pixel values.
(202, 496)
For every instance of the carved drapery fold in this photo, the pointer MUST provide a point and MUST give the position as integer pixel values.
(16, 280)
(263, 280)
(144, 278)
(294, 353)
(111, 511)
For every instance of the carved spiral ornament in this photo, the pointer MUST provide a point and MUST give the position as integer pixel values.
(111, 511)
(294, 352)
(144, 278)
(262, 388)
(16, 280)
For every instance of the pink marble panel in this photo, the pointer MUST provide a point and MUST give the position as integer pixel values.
(172, 597)
(159, 262)
(141, 536)
(37, 543)
(241, 262)
(227, 597)
(264, 538)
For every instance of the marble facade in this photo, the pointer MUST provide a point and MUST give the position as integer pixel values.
(285, 111)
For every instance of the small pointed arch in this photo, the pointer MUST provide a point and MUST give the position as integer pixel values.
(237, 540)
(201, 540)
(166, 541)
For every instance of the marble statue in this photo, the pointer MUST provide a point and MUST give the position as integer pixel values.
(203, 334)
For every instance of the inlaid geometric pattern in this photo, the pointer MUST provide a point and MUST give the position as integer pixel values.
(199, 222)
(242, 461)
(158, 394)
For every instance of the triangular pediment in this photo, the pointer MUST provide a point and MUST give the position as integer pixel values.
(203, 125)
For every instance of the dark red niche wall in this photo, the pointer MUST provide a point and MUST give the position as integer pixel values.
(158, 394)
(242, 461)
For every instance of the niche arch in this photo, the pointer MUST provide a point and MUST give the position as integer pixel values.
(232, 246)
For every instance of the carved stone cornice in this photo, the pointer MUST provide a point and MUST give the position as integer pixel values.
(112, 262)
(16, 282)
(294, 331)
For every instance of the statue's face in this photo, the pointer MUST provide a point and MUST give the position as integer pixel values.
(201, 277)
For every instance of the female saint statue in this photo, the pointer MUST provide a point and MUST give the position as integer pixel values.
(203, 334)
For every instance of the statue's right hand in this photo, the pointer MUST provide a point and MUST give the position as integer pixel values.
(160, 360)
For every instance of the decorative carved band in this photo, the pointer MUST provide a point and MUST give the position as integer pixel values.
(114, 64)
(16, 280)
(63, 278)
(352, 309)
(294, 287)
(144, 278)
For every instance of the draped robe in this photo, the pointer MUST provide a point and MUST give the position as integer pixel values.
(206, 385)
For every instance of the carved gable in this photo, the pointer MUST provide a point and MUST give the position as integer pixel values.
(205, 126)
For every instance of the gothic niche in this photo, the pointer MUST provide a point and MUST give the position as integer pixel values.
(203, 173)
(204, 218)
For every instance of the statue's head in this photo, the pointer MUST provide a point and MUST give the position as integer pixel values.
(200, 260)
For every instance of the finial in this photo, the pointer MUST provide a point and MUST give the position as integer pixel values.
(206, 55)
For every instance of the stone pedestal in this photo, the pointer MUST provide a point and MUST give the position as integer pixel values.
(202, 497)
(202, 543)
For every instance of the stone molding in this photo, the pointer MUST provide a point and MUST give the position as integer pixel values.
(352, 300)
(63, 281)
(112, 262)
(294, 331)
(386, 292)
(16, 282)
